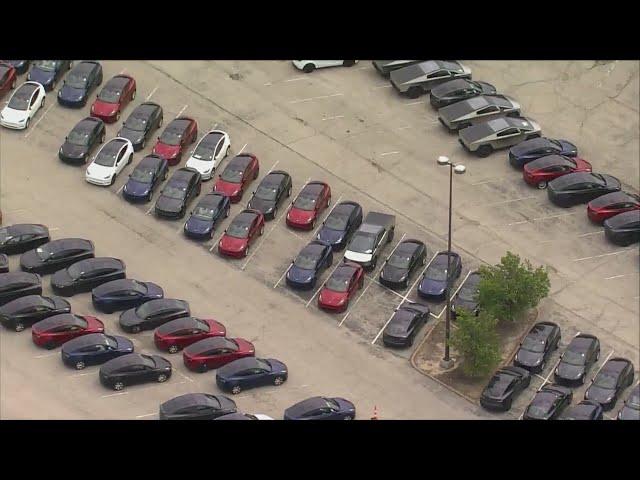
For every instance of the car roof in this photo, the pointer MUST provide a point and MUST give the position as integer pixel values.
(18, 277)
(100, 262)
(145, 109)
(313, 188)
(536, 143)
(573, 178)
(87, 124)
(68, 243)
(581, 343)
(614, 197)
(114, 145)
(27, 89)
(150, 161)
(407, 247)
(441, 257)
(244, 218)
(211, 200)
(123, 361)
(182, 175)
(23, 228)
(179, 324)
(309, 404)
(86, 340)
(61, 319)
(541, 329)
(239, 162)
(211, 343)
(116, 285)
(616, 365)
(551, 161)
(274, 178)
(211, 138)
(158, 304)
(22, 302)
(623, 218)
(179, 124)
(84, 67)
(239, 365)
(313, 248)
(117, 82)
(344, 271)
(191, 400)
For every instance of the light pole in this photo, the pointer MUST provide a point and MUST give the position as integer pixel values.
(446, 361)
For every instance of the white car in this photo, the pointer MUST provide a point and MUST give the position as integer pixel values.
(22, 106)
(212, 148)
(109, 161)
(308, 66)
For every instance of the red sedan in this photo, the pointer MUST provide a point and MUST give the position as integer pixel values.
(54, 331)
(541, 171)
(244, 229)
(239, 172)
(343, 284)
(314, 197)
(113, 98)
(215, 352)
(612, 204)
(7, 78)
(180, 132)
(182, 332)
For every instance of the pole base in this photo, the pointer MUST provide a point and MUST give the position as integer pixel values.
(446, 364)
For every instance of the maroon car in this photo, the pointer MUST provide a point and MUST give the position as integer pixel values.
(182, 332)
(244, 229)
(180, 132)
(117, 93)
(606, 206)
(7, 78)
(54, 331)
(215, 352)
(239, 172)
(314, 197)
(541, 171)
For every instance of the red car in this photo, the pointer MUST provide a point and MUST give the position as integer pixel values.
(343, 284)
(182, 332)
(544, 169)
(311, 201)
(612, 204)
(180, 132)
(239, 172)
(113, 98)
(215, 352)
(7, 78)
(242, 232)
(54, 331)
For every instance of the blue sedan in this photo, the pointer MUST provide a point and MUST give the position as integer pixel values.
(251, 372)
(146, 176)
(79, 84)
(124, 294)
(307, 267)
(321, 408)
(210, 210)
(94, 349)
(48, 72)
(435, 281)
(340, 224)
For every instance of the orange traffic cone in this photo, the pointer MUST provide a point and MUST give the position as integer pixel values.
(375, 413)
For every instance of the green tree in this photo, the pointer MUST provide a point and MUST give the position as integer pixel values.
(510, 288)
(477, 341)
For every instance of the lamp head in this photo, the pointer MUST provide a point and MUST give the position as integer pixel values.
(442, 160)
(460, 169)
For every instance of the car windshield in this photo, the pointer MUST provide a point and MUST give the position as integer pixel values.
(468, 293)
(78, 138)
(106, 159)
(238, 230)
(306, 261)
(337, 221)
(111, 342)
(573, 358)
(177, 193)
(533, 345)
(438, 273)
(171, 137)
(263, 364)
(400, 260)
(20, 100)
(204, 212)
(142, 175)
(76, 80)
(338, 283)
(232, 176)
(537, 411)
(267, 192)
(332, 404)
(204, 152)
(46, 65)
(43, 253)
(362, 242)
(77, 270)
(136, 123)
(109, 96)
(606, 380)
(304, 202)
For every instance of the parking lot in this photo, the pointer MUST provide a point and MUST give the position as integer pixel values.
(347, 127)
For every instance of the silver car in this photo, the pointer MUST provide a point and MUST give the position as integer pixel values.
(474, 110)
(484, 138)
(385, 67)
(417, 79)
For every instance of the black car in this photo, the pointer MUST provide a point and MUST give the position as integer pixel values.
(405, 260)
(183, 186)
(321, 408)
(152, 314)
(240, 416)
(18, 284)
(385, 67)
(94, 349)
(22, 237)
(307, 267)
(585, 410)
(143, 121)
(536, 347)
(614, 376)
(529, 150)
(150, 172)
(505, 384)
(48, 72)
(87, 274)
(209, 211)
(631, 409)
(623, 229)
(273, 188)
(467, 297)
(251, 372)
(340, 224)
(82, 140)
(124, 294)
(21, 66)
(405, 324)
(4, 263)
(134, 368)
(56, 255)
(580, 187)
(81, 81)
(435, 280)
(458, 90)
(549, 402)
(577, 359)
(25, 311)
(197, 406)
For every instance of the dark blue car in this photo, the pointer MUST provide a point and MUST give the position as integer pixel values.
(48, 72)
(339, 226)
(529, 150)
(94, 349)
(146, 176)
(124, 294)
(307, 267)
(435, 280)
(251, 372)
(210, 210)
(321, 408)
(79, 84)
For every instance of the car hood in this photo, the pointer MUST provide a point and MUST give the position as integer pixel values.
(277, 366)
(331, 236)
(40, 76)
(529, 358)
(124, 344)
(394, 274)
(74, 151)
(61, 278)
(264, 206)
(570, 372)
(233, 244)
(136, 188)
(331, 297)
(166, 151)
(71, 94)
(358, 257)
(154, 291)
(301, 216)
(345, 405)
(227, 188)
(129, 318)
(103, 108)
(99, 171)
(61, 304)
(599, 394)
(201, 166)
(300, 275)
(196, 225)
(432, 287)
(12, 115)
(469, 305)
(487, 88)
(568, 148)
(134, 136)
(167, 204)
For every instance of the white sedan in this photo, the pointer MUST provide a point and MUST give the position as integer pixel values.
(22, 106)
(109, 161)
(308, 66)
(209, 152)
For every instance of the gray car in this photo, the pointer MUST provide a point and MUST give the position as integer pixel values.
(477, 109)
(420, 78)
(484, 138)
(385, 67)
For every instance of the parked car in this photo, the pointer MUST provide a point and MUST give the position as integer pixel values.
(22, 106)
(8, 78)
(109, 162)
(405, 260)
(244, 229)
(535, 148)
(22, 237)
(179, 133)
(610, 381)
(308, 66)
(309, 264)
(18, 284)
(134, 368)
(80, 82)
(537, 346)
(116, 94)
(25, 311)
(124, 294)
(214, 352)
(85, 136)
(56, 255)
(197, 406)
(475, 110)
(467, 297)
(538, 173)
(147, 175)
(54, 331)
(340, 225)
(457, 90)
(385, 67)
(152, 314)
(272, 190)
(209, 211)
(419, 78)
(367, 243)
(435, 280)
(21, 66)
(405, 324)
(239, 172)
(177, 334)
(483, 138)
(94, 349)
(251, 372)
(48, 72)
(507, 383)
(585, 410)
(549, 403)
(244, 416)
(4, 263)
(577, 359)
(575, 188)
(341, 286)
(623, 229)
(87, 274)
(631, 408)
(312, 200)
(606, 206)
(145, 119)
(184, 185)
(212, 148)
(321, 408)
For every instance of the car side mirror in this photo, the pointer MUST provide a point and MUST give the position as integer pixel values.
(225, 230)
(253, 193)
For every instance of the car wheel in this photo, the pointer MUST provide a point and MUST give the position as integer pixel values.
(348, 417)
(414, 92)
(133, 95)
(135, 329)
(149, 195)
(226, 153)
(313, 224)
(19, 327)
(79, 365)
(289, 192)
(328, 202)
(160, 122)
(484, 151)
(424, 260)
(173, 349)
(50, 346)
(349, 63)
(117, 116)
(261, 230)
(203, 368)
(542, 185)
(226, 214)
(118, 386)
(391, 235)
(275, 212)
(278, 381)
(162, 378)
(13, 84)
(598, 356)
(103, 137)
(246, 251)
(131, 156)
(113, 179)
(308, 68)
(144, 144)
(507, 404)
(42, 103)
(236, 389)
(26, 125)
(543, 365)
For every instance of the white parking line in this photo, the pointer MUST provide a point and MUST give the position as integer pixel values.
(620, 276)
(45, 355)
(316, 98)
(147, 415)
(382, 86)
(338, 263)
(120, 189)
(38, 121)
(273, 166)
(333, 118)
(389, 153)
(296, 79)
(54, 229)
(603, 363)
(150, 208)
(182, 111)
(184, 376)
(409, 290)
(181, 229)
(114, 394)
(152, 92)
(414, 103)
(547, 217)
(282, 276)
(76, 375)
(599, 232)
(488, 181)
(546, 380)
(455, 293)
(605, 254)
(242, 149)
(405, 127)
(383, 327)
(384, 286)
(362, 68)
(504, 201)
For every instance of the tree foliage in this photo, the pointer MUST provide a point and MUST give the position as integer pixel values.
(477, 342)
